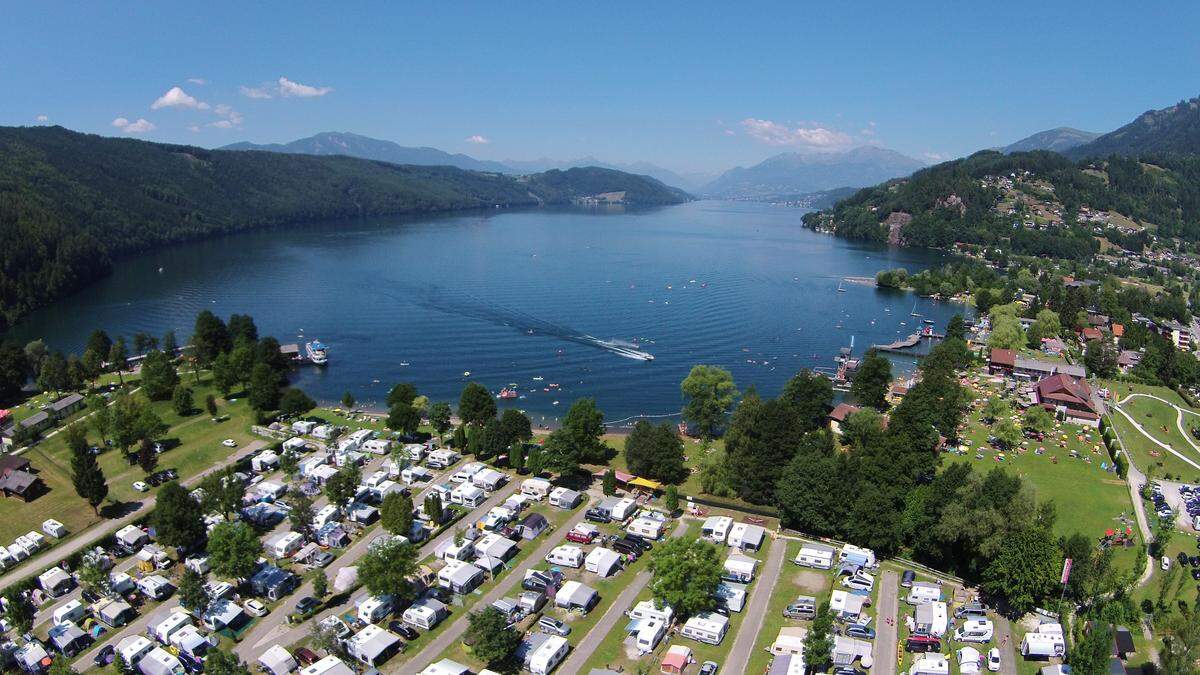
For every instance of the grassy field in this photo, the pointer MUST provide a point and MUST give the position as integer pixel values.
(693, 453)
(1067, 467)
(793, 582)
(1159, 420)
(198, 446)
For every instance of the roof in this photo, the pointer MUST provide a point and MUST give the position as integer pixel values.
(277, 659)
(1004, 357)
(1064, 389)
(18, 482)
(1049, 367)
(12, 463)
(677, 656)
(1118, 330)
(66, 402)
(843, 410)
(574, 592)
(372, 641)
(1123, 640)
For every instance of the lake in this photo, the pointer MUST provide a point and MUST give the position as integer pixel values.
(510, 296)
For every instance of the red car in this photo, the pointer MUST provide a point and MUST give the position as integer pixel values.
(306, 656)
(580, 537)
(922, 643)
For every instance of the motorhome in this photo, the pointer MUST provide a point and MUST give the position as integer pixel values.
(716, 528)
(566, 556)
(816, 556)
(375, 608)
(1045, 642)
(706, 627)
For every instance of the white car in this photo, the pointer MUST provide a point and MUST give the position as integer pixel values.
(140, 486)
(255, 607)
(993, 659)
(1166, 563)
(338, 626)
(229, 443)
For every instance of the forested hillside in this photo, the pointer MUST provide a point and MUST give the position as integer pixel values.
(1171, 130)
(71, 203)
(982, 199)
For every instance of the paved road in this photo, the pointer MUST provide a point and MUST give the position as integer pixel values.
(612, 616)
(756, 610)
(451, 634)
(1134, 478)
(1008, 652)
(98, 531)
(273, 629)
(886, 629)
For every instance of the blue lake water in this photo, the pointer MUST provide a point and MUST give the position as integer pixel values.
(506, 295)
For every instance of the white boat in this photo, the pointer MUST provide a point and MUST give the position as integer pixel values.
(317, 353)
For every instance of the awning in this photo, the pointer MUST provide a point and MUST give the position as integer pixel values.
(646, 483)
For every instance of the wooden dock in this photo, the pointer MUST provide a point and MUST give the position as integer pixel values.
(908, 342)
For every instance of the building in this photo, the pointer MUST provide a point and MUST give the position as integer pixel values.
(676, 660)
(1008, 362)
(839, 414)
(65, 406)
(17, 478)
(1071, 398)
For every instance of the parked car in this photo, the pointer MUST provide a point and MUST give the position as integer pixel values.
(907, 579)
(597, 516)
(322, 559)
(581, 537)
(548, 624)
(255, 607)
(104, 656)
(708, 668)
(639, 541)
(922, 643)
(339, 627)
(307, 605)
(140, 486)
(860, 632)
(229, 443)
(993, 659)
(305, 656)
(403, 630)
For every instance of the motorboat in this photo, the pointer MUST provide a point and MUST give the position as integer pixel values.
(317, 352)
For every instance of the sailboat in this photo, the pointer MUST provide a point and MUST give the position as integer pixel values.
(914, 311)
(840, 289)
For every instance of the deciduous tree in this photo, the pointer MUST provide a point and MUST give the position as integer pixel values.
(686, 574)
(233, 550)
(476, 405)
(871, 381)
(396, 514)
(490, 637)
(385, 569)
(655, 451)
(176, 518)
(710, 392)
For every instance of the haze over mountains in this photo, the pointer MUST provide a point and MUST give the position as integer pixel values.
(791, 173)
(1057, 140)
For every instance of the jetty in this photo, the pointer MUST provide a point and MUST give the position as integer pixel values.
(909, 342)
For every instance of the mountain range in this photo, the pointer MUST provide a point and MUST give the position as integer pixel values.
(1170, 131)
(1056, 140)
(790, 173)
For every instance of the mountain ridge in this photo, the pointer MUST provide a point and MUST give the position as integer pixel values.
(1058, 139)
(1167, 131)
(792, 173)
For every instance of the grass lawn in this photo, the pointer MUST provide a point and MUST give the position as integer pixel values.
(198, 447)
(793, 582)
(693, 452)
(1089, 498)
(1159, 420)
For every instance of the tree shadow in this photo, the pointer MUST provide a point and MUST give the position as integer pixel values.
(115, 510)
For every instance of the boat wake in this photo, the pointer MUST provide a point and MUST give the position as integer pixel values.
(466, 305)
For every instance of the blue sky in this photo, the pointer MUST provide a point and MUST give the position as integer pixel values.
(691, 86)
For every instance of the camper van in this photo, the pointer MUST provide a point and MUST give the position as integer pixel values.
(816, 556)
(974, 630)
(706, 627)
(566, 556)
(716, 528)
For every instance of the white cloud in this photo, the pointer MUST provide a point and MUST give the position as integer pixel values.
(141, 126)
(290, 88)
(232, 117)
(42, 119)
(221, 124)
(869, 130)
(255, 92)
(934, 156)
(478, 140)
(197, 81)
(812, 137)
(730, 132)
(195, 128)
(176, 97)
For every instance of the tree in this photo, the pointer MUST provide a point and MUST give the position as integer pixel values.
(93, 576)
(192, 594)
(18, 610)
(995, 408)
(433, 508)
(404, 418)
(86, 474)
(221, 662)
(818, 642)
(476, 405)
(102, 417)
(403, 392)
(264, 388)
(348, 401)
(760, 441)
(608, 483)
(655, 451)
(1007, 433)
(169, 344)
(811, 398)
(385, 569)
(515, 426)
(294, 402)
(210, 337)
(715, 477)
(176, 518)
(14, 370)
(341, 486)
(288, 464)
(582, 429)
(93, 364)
(233, 550)
(956, 328)
(99, 342)
(396, 513)
(182, 401)
(1100, 358)
(459, 439)
(225, 376)
(488, 442)
(242, 329)
(1006, 332)
(1090, 655)
(439, 417)
(1045, 325)
(984, 299)
(133, 420)
(118, 355)
(147, 455)
(710, 392)
(210, 404)
(490, 637)
(805, 501)
(302, 514)
(159, 378)
(1026, 570)
(686, 574)
(223, 492)
(872, 380)
(320, 583)
(53, 374)
(241, 361)
(671, 499)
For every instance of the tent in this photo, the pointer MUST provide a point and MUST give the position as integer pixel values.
(676, 659)
(345, 579)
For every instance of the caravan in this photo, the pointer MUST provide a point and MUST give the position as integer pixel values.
(975, 630)
(647, 528)
(923, 592)
(536, 488)
(716, 528)
(817, 556)
(857, 555)
(285, 544)
(565, 555)
(1046, 642)
(546, 657)
(375, 608)
(648, 633)
(706, 627)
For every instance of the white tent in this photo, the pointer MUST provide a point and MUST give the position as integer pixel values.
(345, 579)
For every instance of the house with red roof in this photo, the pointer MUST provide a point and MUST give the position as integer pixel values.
(1071, 398)
(837, 417)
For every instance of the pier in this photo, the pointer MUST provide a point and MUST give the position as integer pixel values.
(901, 346)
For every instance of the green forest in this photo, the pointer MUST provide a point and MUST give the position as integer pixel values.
(71, 204)
(1164, 191)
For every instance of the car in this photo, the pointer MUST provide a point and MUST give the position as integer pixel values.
(140, 486)
(800, 610)
(255, 607)
(708, 668)
(639, 541)
(91, 596)
(1195, 560)
(403, 630)
(907, 579)
(860, 632)
(579, 537)
(859, 582)
(305, 656)
(154, 480)
(548, 624)
(1183, 558)
(229, 443)
(307, 605)
(322, 559)
(105, 656)
(918, 642)
(597, 516)
(336, 625)
(993, 659)
(1196, 573)
(1166, 563)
